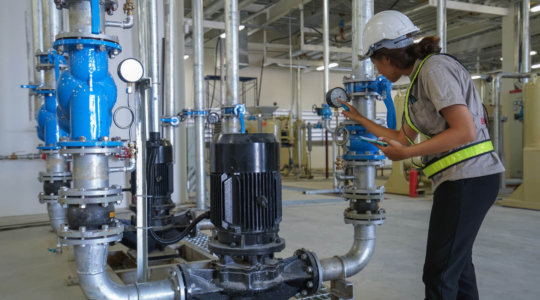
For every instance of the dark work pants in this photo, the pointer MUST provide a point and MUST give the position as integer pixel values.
(458, 210)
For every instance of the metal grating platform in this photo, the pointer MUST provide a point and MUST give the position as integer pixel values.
(200, 240)
(322, 294)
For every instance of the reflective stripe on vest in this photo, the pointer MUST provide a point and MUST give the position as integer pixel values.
(455, 157)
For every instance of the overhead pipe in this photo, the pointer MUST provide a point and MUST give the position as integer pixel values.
(441, 23)
(15, 156)
(198, 80)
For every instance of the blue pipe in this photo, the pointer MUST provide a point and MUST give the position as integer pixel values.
(95, 16)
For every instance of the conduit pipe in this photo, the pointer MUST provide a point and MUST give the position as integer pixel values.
(356, 259)
(198, 73)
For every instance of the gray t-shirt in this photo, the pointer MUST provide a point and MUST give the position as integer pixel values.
(444, 82)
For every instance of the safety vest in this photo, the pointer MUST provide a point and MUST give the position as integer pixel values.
(452, 158)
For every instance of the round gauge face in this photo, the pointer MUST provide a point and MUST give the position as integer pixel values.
(130, 70)
(334, 95)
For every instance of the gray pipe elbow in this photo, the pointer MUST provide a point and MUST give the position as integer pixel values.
(100, 286)
(126, 24)
(356, 259)
(127, 169)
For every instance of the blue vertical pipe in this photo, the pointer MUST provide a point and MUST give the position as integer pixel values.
(95, 16)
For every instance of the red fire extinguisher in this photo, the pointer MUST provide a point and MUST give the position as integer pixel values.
(413, 182)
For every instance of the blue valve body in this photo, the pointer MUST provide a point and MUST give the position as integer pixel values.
(86, 91)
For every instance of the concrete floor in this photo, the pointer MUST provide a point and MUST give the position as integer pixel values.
(506, 254)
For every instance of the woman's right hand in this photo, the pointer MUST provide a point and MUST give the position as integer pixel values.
(351, 113)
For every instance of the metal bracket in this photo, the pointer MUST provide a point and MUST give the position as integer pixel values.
(341, 289)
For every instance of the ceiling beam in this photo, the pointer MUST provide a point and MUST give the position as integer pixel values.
(470, 7)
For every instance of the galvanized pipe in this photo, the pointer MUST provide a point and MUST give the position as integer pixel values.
(362, 12)
(142, 13)
(525, 39)
(57, 215)
(441, 23)
(125, 24)
(326, 48)
(231, 57)
(96, 283)
(198, 73)
(37, 12)
(355, 260)
(141, 191)
(90, 171)
(56, 23)
(125, 169)
(154, 70)
(174, 91)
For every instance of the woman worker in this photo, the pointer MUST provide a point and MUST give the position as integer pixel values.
(443, 105)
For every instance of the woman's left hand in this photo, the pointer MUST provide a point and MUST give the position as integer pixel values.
(395, 150)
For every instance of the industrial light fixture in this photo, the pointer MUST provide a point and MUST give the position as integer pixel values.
(533, 52)
(186, 57)
(535, 8)
(330, 66)
(473, 77)
(537, 66)
(240, 28)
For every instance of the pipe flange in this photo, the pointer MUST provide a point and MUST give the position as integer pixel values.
(80, 35)
(363, 192)
(49, 151)
(363, 196)
(90, 196)
(91, 150)
(354, 80)
(43, 198)
(96, 236)
(353, 163)
(367, 218)
(57, 176)
(82, 242)
(313, 268)
(179, 284)
(365, 94)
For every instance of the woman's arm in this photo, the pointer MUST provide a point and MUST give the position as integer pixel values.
(378, 130)
(461, 131)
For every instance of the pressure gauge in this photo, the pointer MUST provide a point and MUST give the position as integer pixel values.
(335, 94)
(130, 70)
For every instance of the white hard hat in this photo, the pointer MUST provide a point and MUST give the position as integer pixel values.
(387, 29)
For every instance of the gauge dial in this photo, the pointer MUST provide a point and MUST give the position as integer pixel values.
(335, 94)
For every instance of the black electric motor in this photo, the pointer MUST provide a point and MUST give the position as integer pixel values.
(245, 194)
